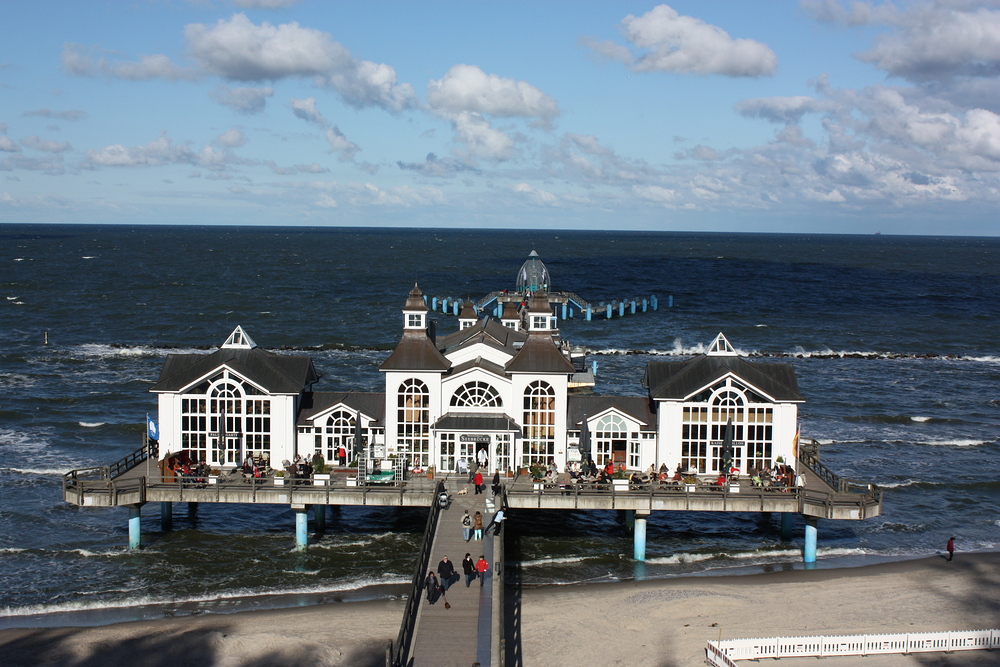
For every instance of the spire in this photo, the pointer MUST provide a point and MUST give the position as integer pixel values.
(415, 310)
(239, 340)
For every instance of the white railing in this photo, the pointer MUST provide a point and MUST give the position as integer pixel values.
(723, 653)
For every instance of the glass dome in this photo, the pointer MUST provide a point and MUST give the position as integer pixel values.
(533, 275)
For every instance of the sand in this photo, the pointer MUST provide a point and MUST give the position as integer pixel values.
(659, 623)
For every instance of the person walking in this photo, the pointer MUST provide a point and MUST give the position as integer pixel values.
(466, 526)
(469, 567)
(477, 524)
(431, 586)
(496, 483)
(446, 573)
(951, 548)
(478, 481)
(481, 568)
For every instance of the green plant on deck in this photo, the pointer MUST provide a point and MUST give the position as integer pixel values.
(279, 473)
(620, 474)
(319, 466)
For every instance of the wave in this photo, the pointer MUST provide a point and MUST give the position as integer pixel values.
(53, 472)
(680, 350)
(92, 424)
(555, 560)
(231, 595)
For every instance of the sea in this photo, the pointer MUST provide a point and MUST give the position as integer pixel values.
(895, 341)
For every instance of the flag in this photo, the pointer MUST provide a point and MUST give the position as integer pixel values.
(795, 444)
(152, 430)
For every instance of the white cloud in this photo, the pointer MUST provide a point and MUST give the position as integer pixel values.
(480, 139)
(232, 138)
(81, 60)
(340, 145)
(243, 100)
(45, 145)
(536, 195)
(466, 88)
(7, 145)
(782, 109)
(239, 50)
(264, 4)
(326, 201)
(307, 110)
(159, 152)
(670, 42)
(655, 193)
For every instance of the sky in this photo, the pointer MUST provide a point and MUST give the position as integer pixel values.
(816, 116)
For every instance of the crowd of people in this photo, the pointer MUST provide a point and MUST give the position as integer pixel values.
(436, 584)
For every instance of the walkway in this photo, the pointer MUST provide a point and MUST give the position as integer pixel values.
(460, 636)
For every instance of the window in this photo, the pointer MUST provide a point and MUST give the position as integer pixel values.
(538, 444)
(339, 432)
(759, 437)
(476, 395)
(413, 321)
(413, 421)
(694, 439)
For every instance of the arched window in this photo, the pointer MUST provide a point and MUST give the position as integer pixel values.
(476, 395)
(338, 431)
(413, 421)
(538, 444)
(610, 436)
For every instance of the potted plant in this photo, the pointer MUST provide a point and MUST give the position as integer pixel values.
(430, 472)
(620, 479)
(279, 477)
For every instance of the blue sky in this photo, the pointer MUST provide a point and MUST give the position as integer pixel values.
(811, 116)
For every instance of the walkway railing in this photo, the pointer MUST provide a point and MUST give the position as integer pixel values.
(499, 648)
(150, 450)
(725, 652)
(399, 655)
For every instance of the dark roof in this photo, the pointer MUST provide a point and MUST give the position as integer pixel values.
(476, 422)
(274, 373)
(639, 407)
(540, 355)
(486, 330)
(478, 362)
(415, 352)
(371, 404)
(681, 379)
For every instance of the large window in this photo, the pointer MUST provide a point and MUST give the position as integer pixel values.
(759, 437)
(539, 422)
(476, 395)
(413, 421)
(338, 432)
(694, 439)
(704, 428)
(224, 418)
(610, 436)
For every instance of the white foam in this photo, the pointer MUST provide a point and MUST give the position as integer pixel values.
(951, 443)
(91, 424)
(676, 559)
(920, 419)
(53, 472)
(554, 560)
(897, 485)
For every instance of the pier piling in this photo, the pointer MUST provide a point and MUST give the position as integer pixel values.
(809, 548)
(134, 527)
(639, 536)
(166, 516)
(301, 526)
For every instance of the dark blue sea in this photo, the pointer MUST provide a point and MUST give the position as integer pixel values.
(895, 340)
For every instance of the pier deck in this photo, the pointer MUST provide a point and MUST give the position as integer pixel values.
(462, 635)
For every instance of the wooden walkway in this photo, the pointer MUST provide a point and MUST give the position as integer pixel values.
(460, 636)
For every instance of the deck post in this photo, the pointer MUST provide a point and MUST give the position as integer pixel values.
(609, 311)
(434, 303)
(621, 308)
(786, 526)
(652, 301)
(134, 527)
(632, 306)
(809, 548)
(319, 517)
(301, 526)
(564, 311)
(166, 515)
(639, 536)
(645, 304)
(590, 313)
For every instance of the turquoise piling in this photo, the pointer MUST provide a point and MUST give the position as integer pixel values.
(134, 527)
(809, 548)
(621, 309)
(590, 313)
(645, 303)
(564, 311)
(639, 536)
(609, 311)
(166, 516)
(670, 301)
(653, 302)
(434, 303)
(319, 518)
(301, 527)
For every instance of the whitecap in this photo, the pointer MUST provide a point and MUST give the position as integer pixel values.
(91, 424)
(920, 419)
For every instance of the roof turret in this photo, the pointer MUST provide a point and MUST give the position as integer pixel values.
(533, 275)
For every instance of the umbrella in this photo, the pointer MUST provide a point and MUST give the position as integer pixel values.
(357, 434)
(727, 447)
(585, 440)
(222, 434)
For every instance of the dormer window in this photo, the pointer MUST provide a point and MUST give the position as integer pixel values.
(539, 322)
(414, 321)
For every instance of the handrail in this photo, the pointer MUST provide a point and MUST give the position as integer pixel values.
(499, 591)
(149, 449)
(808, 454)
(398, 655)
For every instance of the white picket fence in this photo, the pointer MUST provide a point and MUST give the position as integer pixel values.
(724, 653)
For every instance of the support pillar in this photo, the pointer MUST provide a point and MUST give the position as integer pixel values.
(564, 311)
(166, 516)
(590, 313)
(319, 518)
(652, 301)
(301, 526)
(786, 527)
(621, 309)
(809, 548)
(639, 536)
(632, 307)
(608, 308)
(630, 520)
(134, 527)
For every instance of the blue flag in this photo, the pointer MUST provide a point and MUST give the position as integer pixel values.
(151, 428)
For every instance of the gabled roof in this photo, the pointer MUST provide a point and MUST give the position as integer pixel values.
(274, 373)
(478, 362)
(415, 352)
(370, 404)
(639, 408)
(678, 380)
(476, 421)
(486, 330)
(539, 354)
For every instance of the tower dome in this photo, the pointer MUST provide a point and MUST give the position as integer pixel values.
(533, 275)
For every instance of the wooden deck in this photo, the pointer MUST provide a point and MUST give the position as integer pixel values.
(462, 635)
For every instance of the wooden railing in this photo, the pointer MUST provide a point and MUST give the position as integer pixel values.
(149, 450)
(399, 655)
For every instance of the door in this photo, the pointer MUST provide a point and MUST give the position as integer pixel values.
(618, 452)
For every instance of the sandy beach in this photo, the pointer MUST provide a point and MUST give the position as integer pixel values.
(658, 623)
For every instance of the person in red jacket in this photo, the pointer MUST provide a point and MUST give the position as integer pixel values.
(478, 481)
(481, 567)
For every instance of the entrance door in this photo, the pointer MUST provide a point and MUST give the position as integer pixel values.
(618, 452)
(501, 454)
(447, 460)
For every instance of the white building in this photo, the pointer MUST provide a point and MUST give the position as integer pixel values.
(502, 386)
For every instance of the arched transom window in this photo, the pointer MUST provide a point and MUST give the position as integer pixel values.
(476, 395)
(413, 421)
(539, 424)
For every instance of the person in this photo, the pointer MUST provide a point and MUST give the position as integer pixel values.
(951, 548)
(431, 586)
(466, 526)
(478, 481)
(497, 521)
(609, 468)
(446, 573)
(482, 458)
(469, 567)
(481, 567)
(477, 524)
(496, 483)
(342, 455)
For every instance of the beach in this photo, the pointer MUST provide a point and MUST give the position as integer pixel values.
(664, 622)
